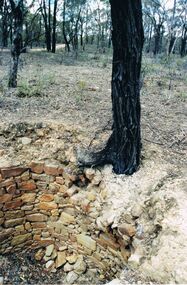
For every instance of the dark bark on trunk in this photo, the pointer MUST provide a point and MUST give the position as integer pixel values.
(149, 40)
(4, 10)
(124, 145)
(47, 25)
(17, 13)
(54, 28)
(171, 44)
(64, 28)
(183, 41)
(5, 32)
(172, 37)
(157, 46)
(75, 41)
(81, 35)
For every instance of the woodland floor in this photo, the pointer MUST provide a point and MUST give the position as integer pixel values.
(60, 90)
(57, 88)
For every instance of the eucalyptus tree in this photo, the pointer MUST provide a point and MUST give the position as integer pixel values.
(183, 24)
(72, 17)
(155, 10)
(124, 145)
(46, 13)
(5, 22)
(17, 11)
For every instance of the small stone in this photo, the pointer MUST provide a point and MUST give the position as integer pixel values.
(13, 222)
(11, 189)
(55, 212)
(2, 221)
(86, 241)
(27, 185)
(89, 173)
(80, 265)
(19, 228)
(47, 206)
(37, 167)
(49, 250)
(91, 196)
(26, 140)
(27, 207)
(5, 198)
(107, 240)
(136, 211)
(27, 226)
(102, 277)
(12, 171)
(7, 182)
(46, 258)
(73, 190)
(97, 178)
(45, 234)
(25, 176)
(20, 239)
(49, 264)
(54, 187)
(60, 180)
(72, 258)
(6, 233)
(134, 260)
(39, 255)
(68, 267)
(36, 218)
(61, 259)
(13, 204)
(85, 205)
(71, 277)
(126, 229)
(47, 197)
(51, 169)
(62, 248)
(54, 254)
(28, 197)
(66, 219)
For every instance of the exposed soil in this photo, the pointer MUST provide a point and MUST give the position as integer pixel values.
(73, 108)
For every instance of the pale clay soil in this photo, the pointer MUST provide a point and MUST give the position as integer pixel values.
(75, 111)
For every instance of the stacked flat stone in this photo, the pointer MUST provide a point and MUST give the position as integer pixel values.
(48, 207)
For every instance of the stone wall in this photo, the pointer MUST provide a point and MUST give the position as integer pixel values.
(52, 209)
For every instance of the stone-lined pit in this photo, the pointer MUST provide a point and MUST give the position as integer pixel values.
(55, 210)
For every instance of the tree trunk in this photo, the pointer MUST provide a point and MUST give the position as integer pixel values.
(54, 27)
(183, 41)
(47, 25)
(157, 39)
(64, 28)
(172, 37)
(149, 40)
(183, 47)
(171, 44)
(16, 43)
(124, 145)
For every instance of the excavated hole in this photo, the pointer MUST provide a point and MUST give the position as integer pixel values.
(50, 216)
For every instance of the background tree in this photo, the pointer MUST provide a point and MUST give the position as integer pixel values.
(17, 15)
(46, 13)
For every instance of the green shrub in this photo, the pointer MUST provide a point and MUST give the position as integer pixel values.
(35, 87)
